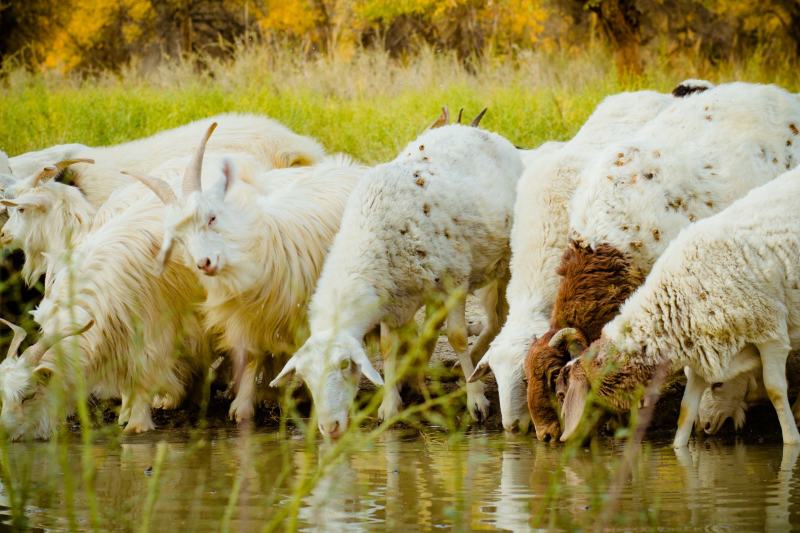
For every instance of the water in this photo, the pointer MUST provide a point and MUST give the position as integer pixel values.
(402, 481)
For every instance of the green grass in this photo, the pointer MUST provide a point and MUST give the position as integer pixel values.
(368, 107)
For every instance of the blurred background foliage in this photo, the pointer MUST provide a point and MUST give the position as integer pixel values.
(99, 35)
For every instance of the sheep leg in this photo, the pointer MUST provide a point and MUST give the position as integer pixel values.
(773, 361)
(493, 305)
(392, 403)
(477, 403)
(141, 419)
(243, 406)
(124, 410)
(690, 404)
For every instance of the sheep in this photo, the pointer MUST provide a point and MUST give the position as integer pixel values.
(267, 140)
(435, 220)
(725, 284)
(638, 194)
(147, 339)
(538, 238)
(257, 256)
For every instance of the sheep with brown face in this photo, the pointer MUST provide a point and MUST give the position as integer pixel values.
(639, 194)
(595, 283)
(726, 285)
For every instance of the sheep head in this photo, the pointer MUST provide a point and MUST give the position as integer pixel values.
(200, 219)
(505, 358)
(331, 366)
(24, 385)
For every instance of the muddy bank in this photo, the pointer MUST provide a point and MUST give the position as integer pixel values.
(761, 426)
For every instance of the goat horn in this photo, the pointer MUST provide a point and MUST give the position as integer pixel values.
(443, 119)
(191, 178)
(52, 171)
(477, 120)
(19, 336)
(37, 351)
(160, 187)
(460, 114)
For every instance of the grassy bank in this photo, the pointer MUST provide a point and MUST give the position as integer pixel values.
(368, 106)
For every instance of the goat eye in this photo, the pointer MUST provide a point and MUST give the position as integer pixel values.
(715, 386)
(21, 210)
(28, 397)
(212, 219)
(344, 365)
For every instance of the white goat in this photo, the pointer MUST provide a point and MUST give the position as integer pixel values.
(48, 218)
(147, 339)
(258, 256)
(725, 284)
(270, 142)
(434, 220)
(540, 235)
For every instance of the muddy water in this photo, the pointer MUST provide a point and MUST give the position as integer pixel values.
(407, 482)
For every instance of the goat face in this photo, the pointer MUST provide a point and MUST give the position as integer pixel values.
(26, 412)
(27, 215)
(208, 230)
(331, 367)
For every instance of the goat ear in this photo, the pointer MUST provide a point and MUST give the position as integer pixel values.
(34, 202)
(286, 373)
(228, 175)
(480, 371)
(43, 374)
(367, 369)
(291, 159)
(165, 252)
(574, 405)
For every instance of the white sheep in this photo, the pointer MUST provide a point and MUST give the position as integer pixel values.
(724, 284)
(434, 220)
(147, 338)
(692, 160)
(258, 256)
(269, 141)
(540, 234)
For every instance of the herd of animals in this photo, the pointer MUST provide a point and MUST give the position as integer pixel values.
(664, 237)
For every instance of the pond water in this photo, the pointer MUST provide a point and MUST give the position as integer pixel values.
(243, 481)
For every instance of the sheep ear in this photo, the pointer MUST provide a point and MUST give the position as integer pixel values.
(573, 338)
(480, 371)
(574, 405)
(287, 372)
(367, 369)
